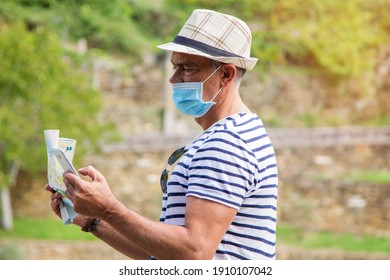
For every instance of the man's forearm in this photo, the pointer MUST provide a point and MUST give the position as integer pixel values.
(107, 234)
(160, 240)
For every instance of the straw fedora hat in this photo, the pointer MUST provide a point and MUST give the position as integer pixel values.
(216, 36)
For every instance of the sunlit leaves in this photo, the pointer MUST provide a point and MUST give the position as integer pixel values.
(39, 90)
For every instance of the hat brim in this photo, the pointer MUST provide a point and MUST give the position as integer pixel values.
(243, 62)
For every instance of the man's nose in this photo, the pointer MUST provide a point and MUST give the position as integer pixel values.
(175, 78)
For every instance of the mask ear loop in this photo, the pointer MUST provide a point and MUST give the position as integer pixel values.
(216, 94)
(212, 73)
(215, 71)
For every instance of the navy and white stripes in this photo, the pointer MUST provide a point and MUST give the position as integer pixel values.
(232, 163)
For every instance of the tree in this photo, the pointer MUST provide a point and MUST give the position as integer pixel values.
(40, 89)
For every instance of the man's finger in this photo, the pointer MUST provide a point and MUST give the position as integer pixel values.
(48, 188)
(68, 194)
(91, 172)
(71, 179)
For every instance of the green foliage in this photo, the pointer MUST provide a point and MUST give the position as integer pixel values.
(369, 176)
(44, 228)
(157, 23)
(38, 91)
(338, 44)
(338, 35)
(348, 242)
(105, 24)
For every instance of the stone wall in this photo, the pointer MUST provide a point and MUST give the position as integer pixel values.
(317, 191)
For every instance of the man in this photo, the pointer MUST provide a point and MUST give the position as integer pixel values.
(220, 191)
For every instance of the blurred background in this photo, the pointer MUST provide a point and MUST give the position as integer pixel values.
(92, 70)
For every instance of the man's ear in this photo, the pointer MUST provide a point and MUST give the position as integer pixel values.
(229, 72)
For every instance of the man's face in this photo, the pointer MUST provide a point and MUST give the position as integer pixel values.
(192, 68)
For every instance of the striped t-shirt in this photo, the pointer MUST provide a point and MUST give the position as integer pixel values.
(232, 163)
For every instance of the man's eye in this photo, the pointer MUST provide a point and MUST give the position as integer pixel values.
(185, 70)
(188, 69)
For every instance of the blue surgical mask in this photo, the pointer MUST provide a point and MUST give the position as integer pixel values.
(187, 97)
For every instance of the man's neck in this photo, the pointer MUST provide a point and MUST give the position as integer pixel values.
(225, 107)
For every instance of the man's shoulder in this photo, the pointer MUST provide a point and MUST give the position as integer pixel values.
(244, 125)
(237, 129)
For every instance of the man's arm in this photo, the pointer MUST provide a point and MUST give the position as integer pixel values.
(104, 231)
(205, 224)
(107, 234)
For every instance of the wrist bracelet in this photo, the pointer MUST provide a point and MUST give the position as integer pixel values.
(90, 225)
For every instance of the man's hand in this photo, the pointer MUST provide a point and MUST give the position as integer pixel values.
(89, 198)
(55, 200)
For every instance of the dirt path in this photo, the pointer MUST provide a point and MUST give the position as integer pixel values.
(95, 250)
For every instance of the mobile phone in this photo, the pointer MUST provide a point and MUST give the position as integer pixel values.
(64, 161)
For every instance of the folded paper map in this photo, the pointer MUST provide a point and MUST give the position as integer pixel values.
(55, 171)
